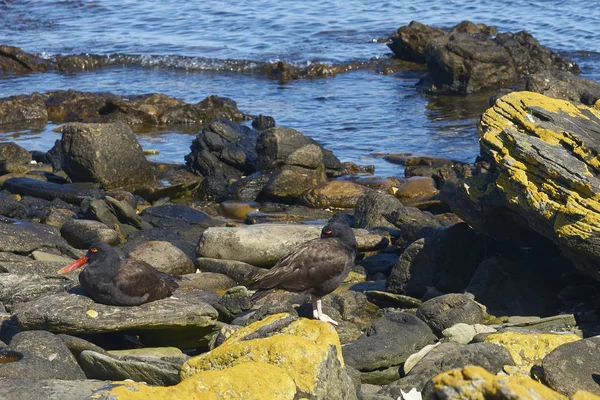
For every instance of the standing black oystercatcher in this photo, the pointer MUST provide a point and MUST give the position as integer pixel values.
(316, 267)
(129, 283)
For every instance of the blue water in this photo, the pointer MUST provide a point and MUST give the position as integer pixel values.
(354, 114)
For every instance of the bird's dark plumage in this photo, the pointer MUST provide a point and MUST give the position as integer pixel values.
(109, 280)
(316, 267)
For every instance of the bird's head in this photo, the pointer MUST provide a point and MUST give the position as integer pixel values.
(340, 231)
(96, 255)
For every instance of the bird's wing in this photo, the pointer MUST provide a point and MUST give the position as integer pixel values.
(309, 264)
(137, 279)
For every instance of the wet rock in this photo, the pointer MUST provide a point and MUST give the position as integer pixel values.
(41, 355)
(291, 183)
(151, 370)
(241, 272)
(287, 214)
(314, 365)
(379, 263)
(12, 153)
(81, 233)
(334, 194)
(182, 320)
(223, 151)
(238, 209)
(211, 108)
(23, 109)
(446, 260)
(50, 389)
(261, 245)
(511, 284)
(408, 43)
(164, 257)
(47, 190)
(483, 384)
(564, 85)
(104, 153)
(417, 189)
(387, 344)
(263, 122)
(275, 145)
(445, 311)
(183, 220)
(247, 188)
(572, 367)
(440, 169)
(173, 183)
(472, 57)
(13, 60)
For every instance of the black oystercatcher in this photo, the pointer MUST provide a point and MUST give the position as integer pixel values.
(129, 283)
(316, 267)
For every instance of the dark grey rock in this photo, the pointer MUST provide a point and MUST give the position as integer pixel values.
(447, 356)
(48, 190)
(163, 256)
(48, 389)
(263, 122)
(388, 342)
(574, 366)
(511, 285)
(241, 272)
(375, 209)
(77, 345)
(138, 238)
(25, 237)
(379, 263)
(444, 311)
(81, 233)
(43, 356)
(113, 213)
(152, 370)
(183, 320)
(104, 153)
(21, 109)
(247, 188)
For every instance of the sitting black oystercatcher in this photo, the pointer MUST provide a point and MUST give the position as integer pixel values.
(108, 280)
(316, 267)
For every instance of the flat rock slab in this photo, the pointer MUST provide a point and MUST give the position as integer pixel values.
(48, 389)
(183, 320)
(16, 289)
(25, 237)
(265, 244)
(151, 370)
(48, 190)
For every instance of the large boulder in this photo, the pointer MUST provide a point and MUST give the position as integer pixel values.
(105, 153)
(564, 85)
(543, 153)
(471, 57)
(444, 311)
(222, 151)
(573, 366)
(183, 320)
(265, 244)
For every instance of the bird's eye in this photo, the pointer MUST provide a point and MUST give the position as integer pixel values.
(94, 250)
(328, 232)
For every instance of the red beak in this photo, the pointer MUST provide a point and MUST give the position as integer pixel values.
(74, 265)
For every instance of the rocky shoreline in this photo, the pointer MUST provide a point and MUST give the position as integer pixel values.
(478, 281)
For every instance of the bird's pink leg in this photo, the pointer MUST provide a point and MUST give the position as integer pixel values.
(322, 316)
(314, 302)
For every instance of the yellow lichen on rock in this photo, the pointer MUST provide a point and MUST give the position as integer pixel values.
(528, 349)
(515, 132)
(299, 350)
(475, 383)
(249, 381)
